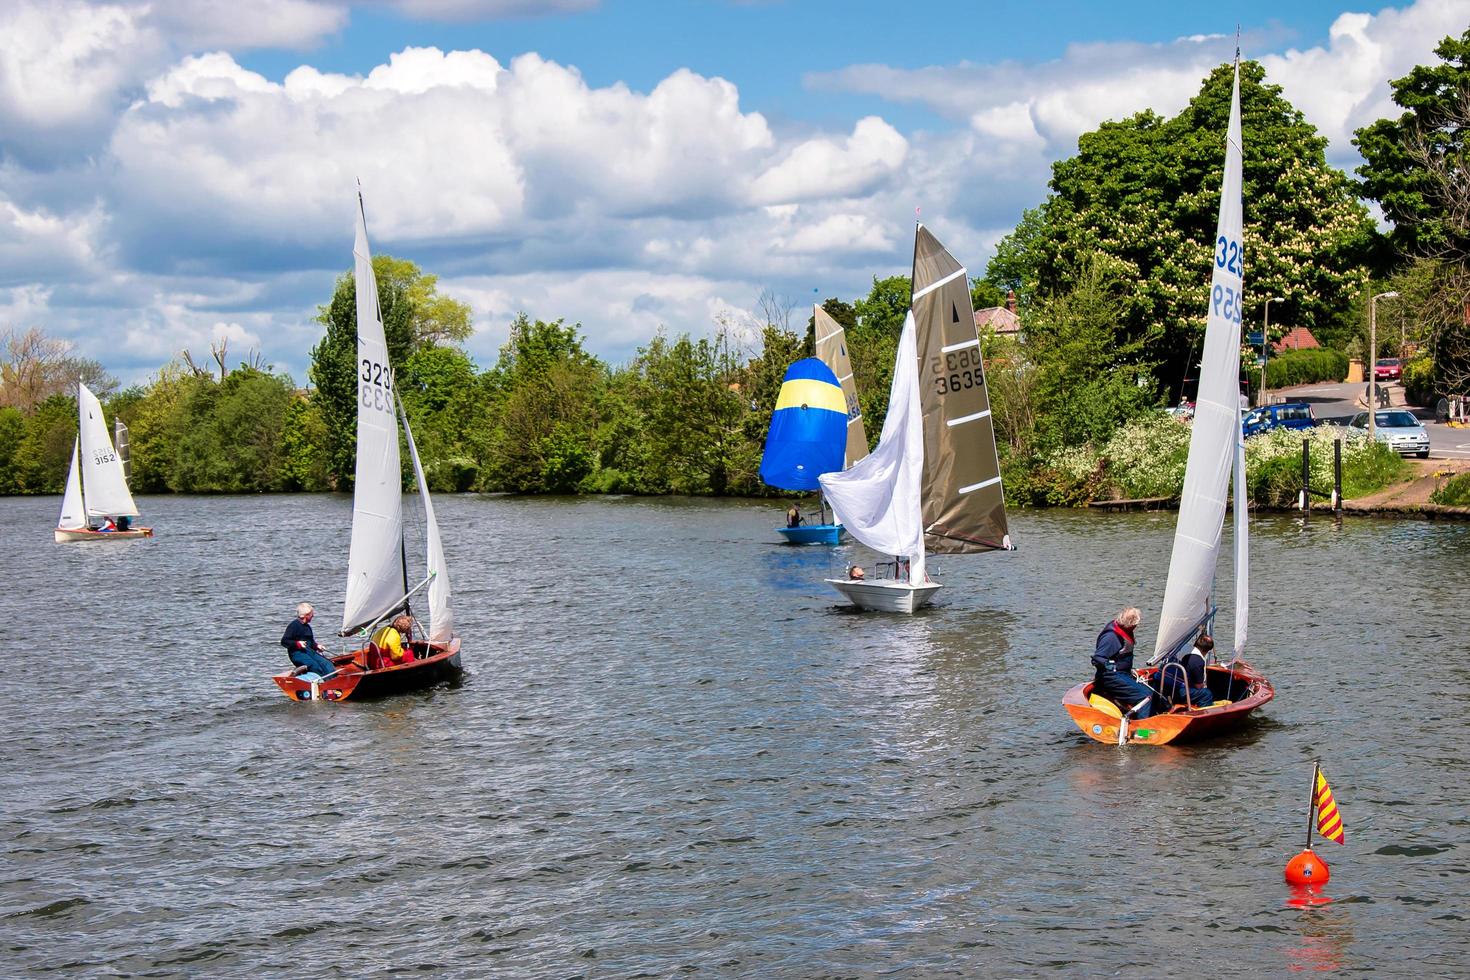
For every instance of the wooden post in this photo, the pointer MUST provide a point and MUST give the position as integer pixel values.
(1306, 498)
(1337, 476)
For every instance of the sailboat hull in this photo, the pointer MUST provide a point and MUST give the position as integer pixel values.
(886, 595)
(812, 534)
(354, 682)
(63, 536)
(1179, 725)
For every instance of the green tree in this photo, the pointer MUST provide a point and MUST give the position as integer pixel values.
(1396, 152)
(304, 448)
(873, 344)
(1144, 194)
(234, 440)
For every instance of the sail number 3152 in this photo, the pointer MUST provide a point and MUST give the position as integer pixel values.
(376, 386)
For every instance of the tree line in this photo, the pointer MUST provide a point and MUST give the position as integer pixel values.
(1109, 271)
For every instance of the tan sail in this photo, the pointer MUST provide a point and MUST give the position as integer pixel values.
(964, 506)
(832, 351)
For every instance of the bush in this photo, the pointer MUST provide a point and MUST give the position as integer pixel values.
(1419, 381)
(1301, 367)
(1455, 492)
(1273, 464)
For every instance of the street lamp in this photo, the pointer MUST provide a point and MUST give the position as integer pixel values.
(1373, 361)
(1266, 344)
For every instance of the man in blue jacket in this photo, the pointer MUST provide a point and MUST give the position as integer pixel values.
(1113, 659)
(301, 645)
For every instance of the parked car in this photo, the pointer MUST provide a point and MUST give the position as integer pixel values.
(1388, 369)
(1287, 415)
(1403, 433)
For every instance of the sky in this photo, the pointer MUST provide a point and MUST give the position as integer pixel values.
(175, 173)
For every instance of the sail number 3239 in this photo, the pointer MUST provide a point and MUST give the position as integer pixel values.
(376, 388)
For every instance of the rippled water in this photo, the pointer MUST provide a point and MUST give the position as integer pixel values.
(675, 752)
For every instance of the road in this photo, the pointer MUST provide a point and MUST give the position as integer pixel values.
(1338, 403)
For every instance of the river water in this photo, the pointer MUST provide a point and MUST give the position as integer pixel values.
(675, 752)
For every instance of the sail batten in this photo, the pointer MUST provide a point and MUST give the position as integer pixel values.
(1216, 427)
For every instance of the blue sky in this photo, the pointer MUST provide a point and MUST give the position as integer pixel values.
(181, 171)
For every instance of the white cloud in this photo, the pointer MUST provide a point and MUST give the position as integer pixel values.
(820, 168)
(488, 9)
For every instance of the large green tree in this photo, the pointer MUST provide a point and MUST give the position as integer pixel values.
(1144, 195)
(1400, 154)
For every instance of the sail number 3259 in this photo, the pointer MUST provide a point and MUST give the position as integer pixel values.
(376, 388)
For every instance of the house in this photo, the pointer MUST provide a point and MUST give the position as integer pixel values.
(1001, 319)
(1297, 338)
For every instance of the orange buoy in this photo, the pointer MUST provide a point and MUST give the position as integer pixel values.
(1307, 869)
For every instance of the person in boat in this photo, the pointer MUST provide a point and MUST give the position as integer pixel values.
(124, 523)
(393, 640)
(1185, 674)
(793, 516)
(301, 645)
(107, 525)
(856, 573)
(1113, 659)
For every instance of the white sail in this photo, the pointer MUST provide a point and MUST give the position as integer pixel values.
(376, 583)
(878, 499)
(1216, 416)
(441, 616)
(72, 516)
(1242, 546)
(104, 489)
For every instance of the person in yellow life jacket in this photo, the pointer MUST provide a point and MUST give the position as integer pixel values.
(393, 640)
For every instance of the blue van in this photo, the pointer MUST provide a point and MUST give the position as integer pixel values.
(1287, 415)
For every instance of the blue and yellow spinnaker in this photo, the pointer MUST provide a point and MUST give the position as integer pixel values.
(808, 435)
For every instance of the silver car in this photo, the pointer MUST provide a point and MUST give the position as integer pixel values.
(1404, 433)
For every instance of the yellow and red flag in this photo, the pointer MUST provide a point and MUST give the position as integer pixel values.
(1329, 821)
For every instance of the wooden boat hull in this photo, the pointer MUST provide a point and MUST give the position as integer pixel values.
(812, 534)
(886, 595)
(1251, 689)
(354, 683)
(63, 535)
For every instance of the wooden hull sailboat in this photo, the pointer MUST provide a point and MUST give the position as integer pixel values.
(1216, 452)
(97, 483)
(377, 563)
(361, 674)
(933, 484)
(1238, 690)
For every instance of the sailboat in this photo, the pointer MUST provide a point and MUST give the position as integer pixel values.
(807, 437)
(1216, 448)
(933, 484)
(96, 486)
(377, 567)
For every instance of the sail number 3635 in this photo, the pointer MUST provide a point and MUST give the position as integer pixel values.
(957, 370)
(376, 386)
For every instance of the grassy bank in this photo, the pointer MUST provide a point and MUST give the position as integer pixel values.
(1146, 458)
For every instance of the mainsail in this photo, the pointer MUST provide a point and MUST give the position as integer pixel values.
(808, 432)
(964, 506)
(878, 498)
(376, 579)
(832, 351)
(441, 617)
(104, 489)
(1212, 443)
(73, 517)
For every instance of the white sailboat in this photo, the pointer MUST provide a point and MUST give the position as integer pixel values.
(378, 587)
(933, 484)
(1216, 448)
(96, 486)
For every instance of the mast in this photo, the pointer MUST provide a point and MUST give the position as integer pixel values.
(1216, 428)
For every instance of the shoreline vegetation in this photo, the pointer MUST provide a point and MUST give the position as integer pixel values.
(1093, 311)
